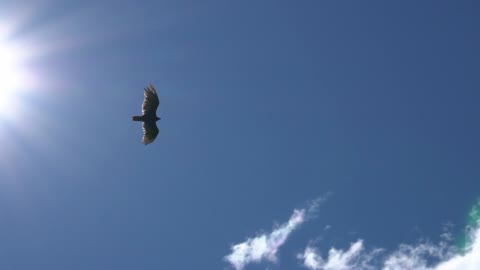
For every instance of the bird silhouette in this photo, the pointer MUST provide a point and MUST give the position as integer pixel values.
(149, 115)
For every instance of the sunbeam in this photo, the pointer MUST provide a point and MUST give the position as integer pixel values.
(15, 76)
(36, 83)
(20, 88)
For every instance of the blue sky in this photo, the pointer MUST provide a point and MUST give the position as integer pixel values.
(307, 126)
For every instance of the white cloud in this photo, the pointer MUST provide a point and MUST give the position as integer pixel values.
(469, 261)
(265, 246)
(353, 258)
(424, 256)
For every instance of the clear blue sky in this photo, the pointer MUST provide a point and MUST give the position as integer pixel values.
(265, 106)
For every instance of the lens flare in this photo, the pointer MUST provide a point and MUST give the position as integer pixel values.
(473, 223)
(14, 75)
(9, 67)
(16, 81)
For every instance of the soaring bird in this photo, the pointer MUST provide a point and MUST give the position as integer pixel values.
(149, 115)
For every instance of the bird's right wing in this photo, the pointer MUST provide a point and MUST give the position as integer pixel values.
(151, 101)
(150, 132)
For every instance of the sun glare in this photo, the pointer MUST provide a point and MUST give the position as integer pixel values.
(25, 125)
(13, 75)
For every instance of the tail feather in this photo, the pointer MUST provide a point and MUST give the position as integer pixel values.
(137, 118)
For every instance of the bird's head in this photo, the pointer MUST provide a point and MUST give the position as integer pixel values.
(157, 118)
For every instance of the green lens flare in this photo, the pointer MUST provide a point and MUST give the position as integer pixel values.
(474, 215)
(473, 222)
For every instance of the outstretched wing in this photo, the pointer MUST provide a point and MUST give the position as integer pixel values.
(151, 101)
(150, 132)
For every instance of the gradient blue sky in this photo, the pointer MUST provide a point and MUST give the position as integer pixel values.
(265, 106)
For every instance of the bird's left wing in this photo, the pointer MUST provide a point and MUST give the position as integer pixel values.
(151, 101)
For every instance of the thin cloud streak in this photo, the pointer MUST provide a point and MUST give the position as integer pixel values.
(265, 246)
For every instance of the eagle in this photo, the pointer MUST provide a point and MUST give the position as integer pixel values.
(149, 115)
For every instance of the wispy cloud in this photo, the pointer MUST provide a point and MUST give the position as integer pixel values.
(468, 261)
(424, 256)
(265, 246)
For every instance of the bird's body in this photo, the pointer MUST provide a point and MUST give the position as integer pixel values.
(149, 115)
(146, 118)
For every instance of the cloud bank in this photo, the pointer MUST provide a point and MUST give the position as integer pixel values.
(424, 256)
(265, 246)
(421, 256)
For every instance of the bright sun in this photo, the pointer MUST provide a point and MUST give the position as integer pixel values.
(13, 76)
(9, 68)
